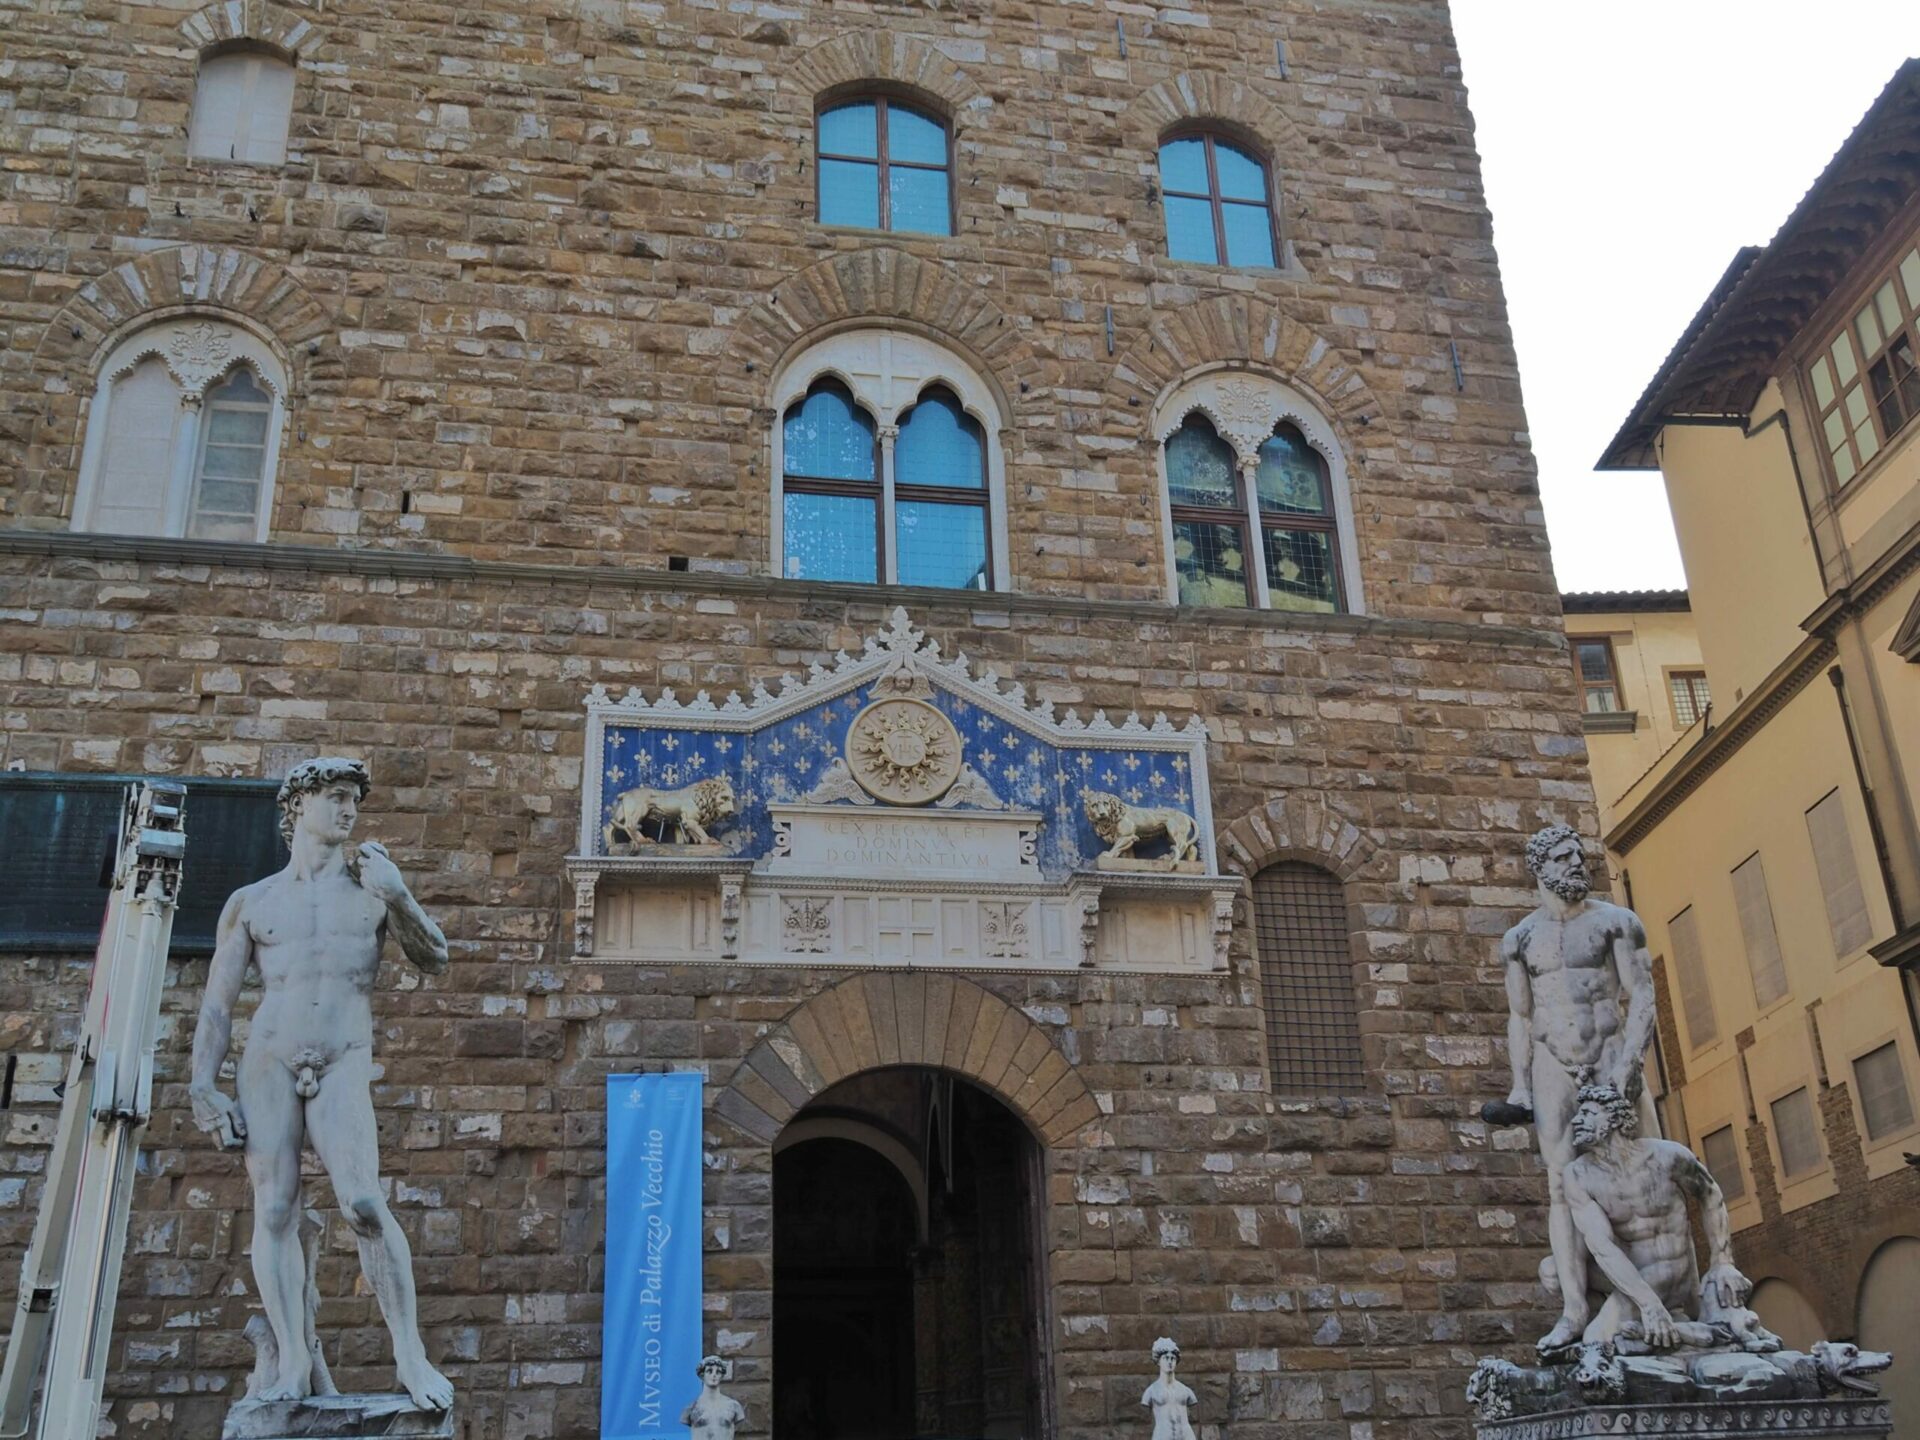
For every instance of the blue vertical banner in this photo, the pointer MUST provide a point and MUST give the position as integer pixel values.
(650, 1333)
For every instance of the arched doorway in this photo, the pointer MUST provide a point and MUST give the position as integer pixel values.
(906, 1273)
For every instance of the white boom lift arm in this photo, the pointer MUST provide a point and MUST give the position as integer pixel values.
(63, 1319)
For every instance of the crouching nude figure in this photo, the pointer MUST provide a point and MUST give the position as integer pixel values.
(315, 930)
(1580, 1010)
(1628, 1199)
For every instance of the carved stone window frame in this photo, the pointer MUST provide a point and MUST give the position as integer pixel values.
(199, 350)
(1244, 406)
(888, 370)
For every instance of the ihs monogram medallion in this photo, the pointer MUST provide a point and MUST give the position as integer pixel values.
(903, 752)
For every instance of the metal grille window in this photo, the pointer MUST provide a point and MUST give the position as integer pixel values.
(1795, 1133)
(1881, 1083)
(1721, 1151)
(59, 831)
(1690, 697)
(1306, 972)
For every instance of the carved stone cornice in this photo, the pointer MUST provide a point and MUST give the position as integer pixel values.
(1725, 1420)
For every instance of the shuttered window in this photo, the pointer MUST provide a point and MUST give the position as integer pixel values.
(1768, 966)
(1881, 1082)
(1721, 1150)
(1306, 972)
(1690, 970)
(1796, 1133)
(1839, 877)
(242, 108)
(59, 833)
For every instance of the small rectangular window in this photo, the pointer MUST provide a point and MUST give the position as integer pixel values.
(1721, 1150)
(1690, 697)
(1885, 1101)
(1764, 960)
(60, 832)
(1599, 684)
(242, 108)
(1796, 1133)
(1847, 919)
(1690, 967)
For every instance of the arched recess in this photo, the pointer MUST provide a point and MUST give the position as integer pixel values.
(1888, 1304)
(260, 22)
(255, 293)
(1787, 1312)
(873, 286)
(1203, 97)
(1297, 827)
(1241, 330)
(881, 1020)
(882, 1142)
(883, 59)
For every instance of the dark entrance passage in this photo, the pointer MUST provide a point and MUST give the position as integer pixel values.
(905, 1285)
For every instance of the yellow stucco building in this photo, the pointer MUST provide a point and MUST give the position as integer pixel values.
(1772, 844)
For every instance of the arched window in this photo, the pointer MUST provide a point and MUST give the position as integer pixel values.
(183, 435)
(1306, 979)
(888, 465)
(1257, 511)
(242, 107)
(884, 165)
(1219, 202)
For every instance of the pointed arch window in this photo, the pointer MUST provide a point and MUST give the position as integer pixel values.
(1219, 202)
(884, 165)
(183, 435)
(888, 465)
(1257, 511)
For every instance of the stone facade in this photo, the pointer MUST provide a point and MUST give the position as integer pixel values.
(530, 268)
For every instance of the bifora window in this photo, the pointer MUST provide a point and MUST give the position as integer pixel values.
(1291, 514)
(884, 165)
(1219, 202)
(1867, 383)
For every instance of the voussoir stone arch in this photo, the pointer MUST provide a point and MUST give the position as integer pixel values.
(1241, 330)
(884, 1019)
(1198, 97)
(871, 286)
(259, 21)
(1297, 827)
(888, 58)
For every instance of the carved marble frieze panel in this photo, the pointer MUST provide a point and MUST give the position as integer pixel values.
(894, 808)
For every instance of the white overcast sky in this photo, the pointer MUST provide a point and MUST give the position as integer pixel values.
(1630, 148)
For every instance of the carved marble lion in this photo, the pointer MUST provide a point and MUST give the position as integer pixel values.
(1121, 826)
(691, 809)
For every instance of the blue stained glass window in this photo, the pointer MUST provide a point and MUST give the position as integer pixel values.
(850, 193)
(1290, 474)
(1241, 176)
(913, 137)
(919, 201)
(1190, 230)
(1183, 166)
(884, 166)
(828, 437)
(941, 545)
(851, 130)
(1200, 466)
(939, 444)
(1249, 234)
(831, 537)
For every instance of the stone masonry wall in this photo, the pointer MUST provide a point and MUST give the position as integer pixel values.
(531, 268)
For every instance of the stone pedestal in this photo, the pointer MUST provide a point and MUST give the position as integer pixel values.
(336, 1417)
(1829, 1419)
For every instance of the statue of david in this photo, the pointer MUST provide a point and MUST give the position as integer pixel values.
(315, 930)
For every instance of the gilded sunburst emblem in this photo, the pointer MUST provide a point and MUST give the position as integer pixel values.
(904, 752)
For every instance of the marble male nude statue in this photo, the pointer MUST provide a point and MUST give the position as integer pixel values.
(315, 930)
(1628, 1198)
(1580, 1001)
